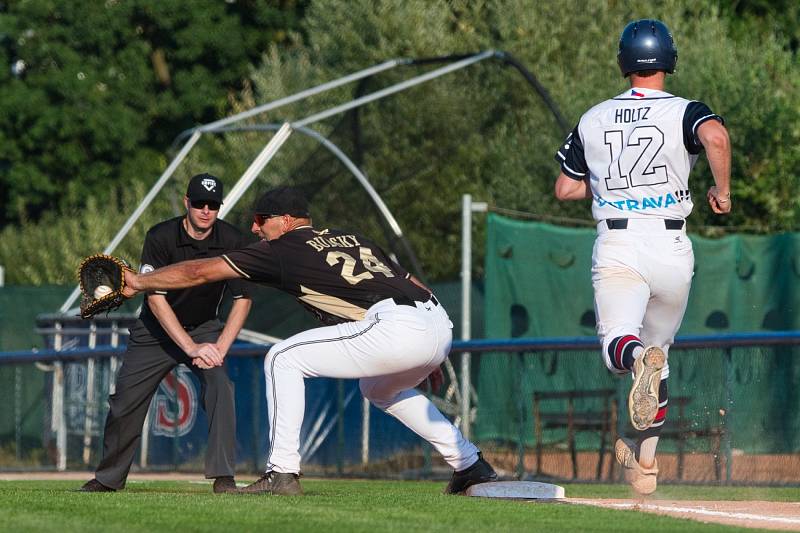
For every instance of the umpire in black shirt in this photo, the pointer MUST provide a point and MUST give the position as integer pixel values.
(180, 326)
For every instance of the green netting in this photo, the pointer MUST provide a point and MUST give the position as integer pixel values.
(538, 285)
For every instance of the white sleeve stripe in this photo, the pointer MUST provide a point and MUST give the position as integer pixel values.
(233, 266)
(563, 158)
(160, 292)
(238, 296)
(574, 171)
(701, 119)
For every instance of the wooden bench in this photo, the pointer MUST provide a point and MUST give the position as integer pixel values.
(680, 430)
(602, 421)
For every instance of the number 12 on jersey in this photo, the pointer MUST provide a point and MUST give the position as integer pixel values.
(368, 260)
(633, 165)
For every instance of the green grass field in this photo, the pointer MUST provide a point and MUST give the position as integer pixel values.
(338, 505)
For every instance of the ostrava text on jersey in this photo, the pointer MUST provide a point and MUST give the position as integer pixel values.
(644, 146)
(355, 272)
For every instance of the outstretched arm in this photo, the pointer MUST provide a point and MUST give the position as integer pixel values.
(179, 276)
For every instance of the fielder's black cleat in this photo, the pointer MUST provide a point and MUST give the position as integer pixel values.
(95, 486)
(225, 485)
(479, 472)
(275, 483)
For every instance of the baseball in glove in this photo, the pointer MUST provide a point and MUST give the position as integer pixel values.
(102, 279)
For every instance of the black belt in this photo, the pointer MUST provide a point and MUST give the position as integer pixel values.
(404, 300)
(622, 223)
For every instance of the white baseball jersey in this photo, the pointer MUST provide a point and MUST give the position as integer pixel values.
(637, 150)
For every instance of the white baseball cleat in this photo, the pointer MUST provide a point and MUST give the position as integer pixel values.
(643, 398)
(643, 480)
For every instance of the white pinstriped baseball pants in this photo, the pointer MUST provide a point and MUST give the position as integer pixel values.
(392, 350)
(641, 277)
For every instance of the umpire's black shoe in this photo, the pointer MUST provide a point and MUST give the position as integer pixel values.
(480, 472)
(275, 483)
(95, 486)
(225, 485)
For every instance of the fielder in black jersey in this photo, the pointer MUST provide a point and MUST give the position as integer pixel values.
(337, 275)
(383, 327)
(180, 327)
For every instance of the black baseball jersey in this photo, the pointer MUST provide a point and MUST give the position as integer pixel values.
(637, 150)
(167, 243)
(337, 275)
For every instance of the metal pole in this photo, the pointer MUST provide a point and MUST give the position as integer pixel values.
(59, 416)
(362, 179)
(112, 365)
(89, 406)
(123, 231)
(340, 426)
(728, 442)
(305, 94)
(175, 403)
(144, 447)
(521, 403)
(394, 89)
(255, 169)
(364, 432)
(467, 208)
(18, 412)
(466, 323)
(255, 408)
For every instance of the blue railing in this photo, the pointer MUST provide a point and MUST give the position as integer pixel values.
(687, 342)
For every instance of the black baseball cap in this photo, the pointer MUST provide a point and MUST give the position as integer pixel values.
(283, 201)
(205, 187)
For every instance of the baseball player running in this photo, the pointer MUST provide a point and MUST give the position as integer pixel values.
(383, 327)
(632, 156)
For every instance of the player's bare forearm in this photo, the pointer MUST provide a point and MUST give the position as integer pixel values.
(180, 275)
(169, 322)
(717, 144)
(206, 353)
(567, 188)
(234, 323)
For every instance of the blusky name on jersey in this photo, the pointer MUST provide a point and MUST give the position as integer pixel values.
(648, 202)
(342, 241)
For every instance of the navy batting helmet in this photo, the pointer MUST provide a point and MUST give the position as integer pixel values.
(646, 45)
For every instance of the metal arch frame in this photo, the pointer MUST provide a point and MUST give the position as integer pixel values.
(271, 148)
(456, 62)
(340, 155)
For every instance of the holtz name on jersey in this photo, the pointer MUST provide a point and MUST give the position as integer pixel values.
(637, 151)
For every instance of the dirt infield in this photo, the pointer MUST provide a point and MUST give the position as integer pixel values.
(782, 516)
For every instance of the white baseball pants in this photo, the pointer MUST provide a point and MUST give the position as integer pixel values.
(392, 350)
(641, 277)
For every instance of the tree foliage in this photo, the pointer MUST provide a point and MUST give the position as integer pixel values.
(107, 85)
(484, 131)
(96, 91)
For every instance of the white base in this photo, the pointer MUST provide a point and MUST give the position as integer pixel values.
(526, 490)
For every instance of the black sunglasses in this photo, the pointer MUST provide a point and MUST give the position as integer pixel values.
(260, 219)
(200, 204)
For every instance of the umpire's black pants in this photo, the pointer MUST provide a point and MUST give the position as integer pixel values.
(143, 368)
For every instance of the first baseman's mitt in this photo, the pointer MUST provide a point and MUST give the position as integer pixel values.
(102, 279)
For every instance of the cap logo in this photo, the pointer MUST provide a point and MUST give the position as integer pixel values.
(209, 184)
